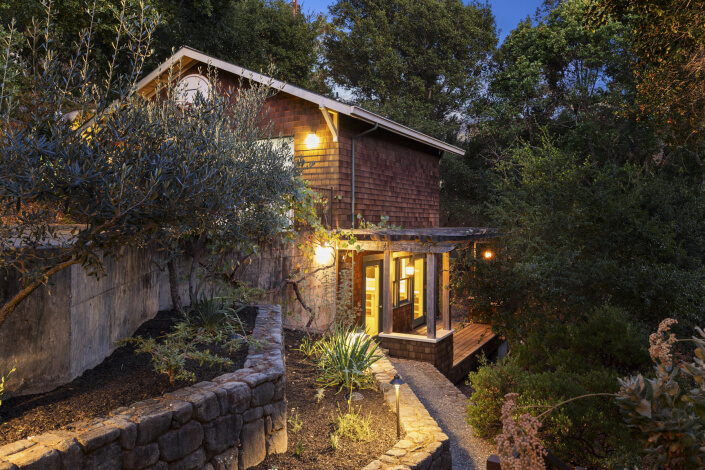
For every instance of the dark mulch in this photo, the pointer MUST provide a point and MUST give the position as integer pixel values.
(317, 454)
(122, 379)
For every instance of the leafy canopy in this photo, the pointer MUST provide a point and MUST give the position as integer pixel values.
(416, 62)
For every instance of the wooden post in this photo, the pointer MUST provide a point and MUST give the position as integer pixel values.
(431, 302)
(445, 295)
(387, 320)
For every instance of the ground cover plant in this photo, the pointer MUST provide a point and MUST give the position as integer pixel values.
(316, 438)
(121, 379)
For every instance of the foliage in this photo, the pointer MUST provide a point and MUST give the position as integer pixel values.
(557, 363)
(666, 413)
(346, 358)
(299, 448)
(352, 425)
(4, 379)
(131, 171)
(581, 234)
(416, 62)
(208, 322)
(668, 40)
(334, 441)
(294, 421)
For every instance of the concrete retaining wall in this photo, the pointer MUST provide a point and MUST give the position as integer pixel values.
(233, 422)
(424, 445)
(70, 324)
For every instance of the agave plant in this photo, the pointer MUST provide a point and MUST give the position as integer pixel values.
(345, 359)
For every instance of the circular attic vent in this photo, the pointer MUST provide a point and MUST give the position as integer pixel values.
(189, 87)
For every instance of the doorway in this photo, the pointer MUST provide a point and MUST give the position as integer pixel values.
(372, 289)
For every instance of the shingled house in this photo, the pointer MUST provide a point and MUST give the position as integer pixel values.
(375, 167)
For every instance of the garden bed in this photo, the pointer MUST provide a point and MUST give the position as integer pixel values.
(122, 379)
(313, 439)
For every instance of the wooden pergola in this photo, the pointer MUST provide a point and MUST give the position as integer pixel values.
(436, 243)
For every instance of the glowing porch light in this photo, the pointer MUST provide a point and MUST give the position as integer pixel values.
(324, 254)
(488, 254)
(312, 141)
(409, 270)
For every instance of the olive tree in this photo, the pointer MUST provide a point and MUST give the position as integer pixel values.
(121, 169)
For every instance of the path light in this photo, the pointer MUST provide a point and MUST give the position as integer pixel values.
(312, 141)
(397, 381)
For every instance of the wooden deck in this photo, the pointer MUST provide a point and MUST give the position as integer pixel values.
(469, 343)
(465, 341)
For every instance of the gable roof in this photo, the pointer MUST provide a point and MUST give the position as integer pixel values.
(186, 57)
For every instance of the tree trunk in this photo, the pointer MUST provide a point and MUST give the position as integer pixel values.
(192, 281)
(173, 267)
(9, 307)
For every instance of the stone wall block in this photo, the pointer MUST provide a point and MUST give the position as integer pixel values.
(418, 461)
(181, 409)
(276, 442)
(252, 414)
(279, 388)
(205, 405)
(277, 411)
(105, 458)
(226, 461)
(36, 457)
(253, 449)
(262, 394)
(140, 457)
(223, 400)
(177, 444)
(152, 425)
(159, 466)
(194, 461)
(254, 379)
(239, 396)
(222, 433)
(15, 447)
(7, 465)
(128, 431)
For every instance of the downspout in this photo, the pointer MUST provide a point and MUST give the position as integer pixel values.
(352, 222)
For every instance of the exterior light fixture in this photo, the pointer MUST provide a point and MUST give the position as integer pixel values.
(312, 141)
(324, 254)
(409, 270)
(488, 254)
(397, 381)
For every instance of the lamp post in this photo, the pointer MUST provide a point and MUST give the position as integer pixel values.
(396, 381)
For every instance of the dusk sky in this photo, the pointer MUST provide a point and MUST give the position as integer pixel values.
(507, 12)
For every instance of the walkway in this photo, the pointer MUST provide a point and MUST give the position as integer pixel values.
(446, 404)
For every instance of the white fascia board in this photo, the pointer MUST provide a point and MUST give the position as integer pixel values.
(321, 101)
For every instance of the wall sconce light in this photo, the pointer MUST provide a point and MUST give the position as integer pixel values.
(488, 254)
(409, 270)
(324, 254)
(397, 381)
(312, 141)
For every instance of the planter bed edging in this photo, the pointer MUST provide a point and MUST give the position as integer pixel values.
(424, 445)
(231, 422)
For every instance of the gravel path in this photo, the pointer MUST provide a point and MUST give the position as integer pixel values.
(447, 406)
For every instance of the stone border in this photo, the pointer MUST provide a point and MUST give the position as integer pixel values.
(424, 445)
(235, 421)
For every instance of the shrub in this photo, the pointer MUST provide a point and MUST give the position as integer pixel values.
(352, 425)
(3, 380)
(558, 363)
(346, 358)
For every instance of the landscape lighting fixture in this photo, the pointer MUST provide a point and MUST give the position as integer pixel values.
(324, 254)
(488, 254)
(397, 381)
(312, 141)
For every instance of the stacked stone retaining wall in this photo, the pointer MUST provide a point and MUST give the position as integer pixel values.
(232, 422)
(424, 446)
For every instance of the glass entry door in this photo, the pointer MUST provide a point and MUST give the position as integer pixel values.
(419, 287)
(373, 297)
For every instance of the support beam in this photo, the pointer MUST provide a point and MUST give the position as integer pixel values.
(431, 302)
(445, 294)
(329, 120)
(387, 319)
